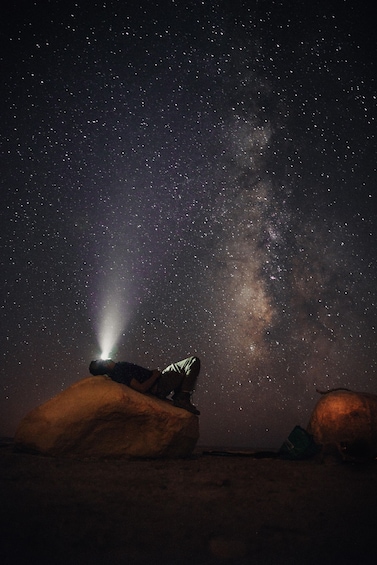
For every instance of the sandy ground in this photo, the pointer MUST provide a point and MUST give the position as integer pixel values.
(204, 510)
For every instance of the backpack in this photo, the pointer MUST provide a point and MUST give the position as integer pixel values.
(299, 445)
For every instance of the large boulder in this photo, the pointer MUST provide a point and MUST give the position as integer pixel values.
(97, 417)
(346, 421)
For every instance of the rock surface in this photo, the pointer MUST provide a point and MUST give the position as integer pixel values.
(346, 421)
(97, 417)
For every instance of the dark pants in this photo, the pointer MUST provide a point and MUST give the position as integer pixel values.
(178, 377)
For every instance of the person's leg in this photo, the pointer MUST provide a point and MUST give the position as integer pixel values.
(180, 377)
(188, 369)
(168, 382)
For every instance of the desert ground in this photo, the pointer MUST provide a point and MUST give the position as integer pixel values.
(217, 506)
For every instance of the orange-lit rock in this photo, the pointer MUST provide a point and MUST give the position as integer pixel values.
(97, 417)
(346, 421)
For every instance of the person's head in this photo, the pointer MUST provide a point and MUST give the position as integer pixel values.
(101, 366)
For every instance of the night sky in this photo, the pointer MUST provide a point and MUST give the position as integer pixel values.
(190, 177)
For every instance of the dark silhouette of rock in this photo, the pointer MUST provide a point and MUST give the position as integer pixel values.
(97, 417)
(344, 423)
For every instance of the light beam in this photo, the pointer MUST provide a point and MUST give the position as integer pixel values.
(112, 318)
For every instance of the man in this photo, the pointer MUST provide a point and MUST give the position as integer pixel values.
(179, 378)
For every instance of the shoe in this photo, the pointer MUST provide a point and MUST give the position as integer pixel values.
(182, 400)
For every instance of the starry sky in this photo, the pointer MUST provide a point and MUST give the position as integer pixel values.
(190, 177)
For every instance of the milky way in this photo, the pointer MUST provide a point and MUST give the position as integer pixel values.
(190, 178)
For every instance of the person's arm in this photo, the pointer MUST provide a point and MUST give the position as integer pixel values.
(146, 385)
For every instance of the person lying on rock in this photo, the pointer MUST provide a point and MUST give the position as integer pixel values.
(179, 378)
